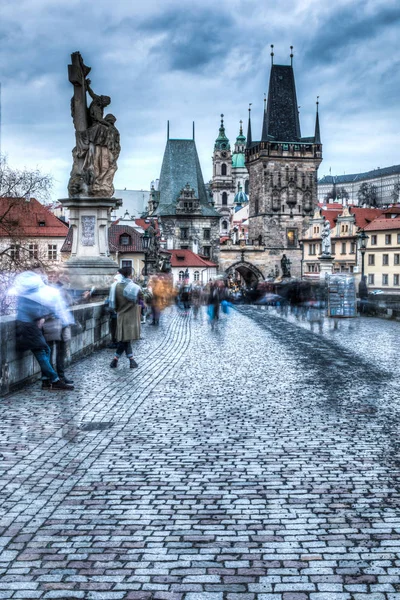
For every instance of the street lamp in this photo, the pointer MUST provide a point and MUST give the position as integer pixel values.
(145, 246)
(363, 237)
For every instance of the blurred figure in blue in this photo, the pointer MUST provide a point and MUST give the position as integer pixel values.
(37, 301)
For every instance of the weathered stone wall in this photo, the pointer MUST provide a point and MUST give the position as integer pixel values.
(171, 229)
(263, 259)
(18, 368)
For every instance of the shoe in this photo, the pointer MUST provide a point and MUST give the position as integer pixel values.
(46, 384)
(66, 380)
(132, 363)
(60, 385)
(114, 363)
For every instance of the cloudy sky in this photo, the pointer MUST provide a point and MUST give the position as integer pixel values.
(190, 61)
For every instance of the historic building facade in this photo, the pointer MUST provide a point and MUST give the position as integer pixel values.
(230, 175)
(185, 212)
(283, 168)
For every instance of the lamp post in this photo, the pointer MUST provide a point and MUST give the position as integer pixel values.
(363, 237)
(301, 244)
(145, 246)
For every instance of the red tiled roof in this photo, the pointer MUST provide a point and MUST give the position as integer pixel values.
(144, 225)
(187, 258)
(383, 224)
(363, 216)
(19, 216)
(114, 235)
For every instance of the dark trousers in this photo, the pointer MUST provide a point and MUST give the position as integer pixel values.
(61, 352)
(43, 357)
(124, 347)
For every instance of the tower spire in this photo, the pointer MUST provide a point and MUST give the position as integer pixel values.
(241, 127)
(167, 130)
(264, 134)
(249, 138)
(193, 129)
(272, 54)
(291, 56)
(317, 136)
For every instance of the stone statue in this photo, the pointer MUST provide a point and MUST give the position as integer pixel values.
(97, 139)
(326, 239)
(285, 266)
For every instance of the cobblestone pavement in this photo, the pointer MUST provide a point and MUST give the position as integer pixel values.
(256, 461)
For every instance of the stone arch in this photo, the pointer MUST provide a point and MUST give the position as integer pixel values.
(250, 273)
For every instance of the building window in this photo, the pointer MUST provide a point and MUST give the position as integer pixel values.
(246, 188)
(207, 251)
(397, 259)
(398, 238)
(196, 276)
(33, 251)
(371, 279)
(206, 234)
(312, 249)
(352, 247)
(313, 268)
(14, 252)
(125, 240)
(333, 247)
(388, 239)
(374, 240)
(126, 263)
(343, 251)
(256, 206)
(385, 259)
(181, 275)
(396, 279)
(184, 233)
(224, 199)
(316, 229)
(42, 223)
(52, 251)
(224, 225)
(385, 279)
(291, 237)
(223, 169)
(371, 259)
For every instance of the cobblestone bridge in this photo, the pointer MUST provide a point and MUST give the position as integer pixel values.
(256, 461)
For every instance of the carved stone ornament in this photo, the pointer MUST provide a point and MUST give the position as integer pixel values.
(88, 224)
(97, 139)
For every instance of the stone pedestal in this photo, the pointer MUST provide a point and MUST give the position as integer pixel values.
(326, 265)
(90, 264)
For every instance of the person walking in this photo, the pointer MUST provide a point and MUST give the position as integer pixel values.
(124, 298)
(35, 302)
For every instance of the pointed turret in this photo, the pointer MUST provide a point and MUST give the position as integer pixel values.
(249, 138)
(264, 134)
(317, 137)
(222, 142)
(281, 118)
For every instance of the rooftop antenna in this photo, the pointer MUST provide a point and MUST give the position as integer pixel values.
(291, 56)
(272, 54)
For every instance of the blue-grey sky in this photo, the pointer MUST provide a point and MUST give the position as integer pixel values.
(190, 61)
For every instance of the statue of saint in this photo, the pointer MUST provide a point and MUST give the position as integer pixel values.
(326, 239)
(97, 139)
(285, 266)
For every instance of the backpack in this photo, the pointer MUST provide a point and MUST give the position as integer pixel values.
(131, 291)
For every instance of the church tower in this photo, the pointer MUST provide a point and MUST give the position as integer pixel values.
(222, 184)
(283, 168)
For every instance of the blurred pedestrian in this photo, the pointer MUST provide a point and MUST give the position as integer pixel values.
(124, 299)
(37, 301)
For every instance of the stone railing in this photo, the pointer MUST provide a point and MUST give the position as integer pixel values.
(90, 332)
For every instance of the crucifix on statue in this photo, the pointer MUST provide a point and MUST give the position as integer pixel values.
(77, 73)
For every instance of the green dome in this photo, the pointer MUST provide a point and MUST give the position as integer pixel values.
(238, 160)
(241, 197)
(222, 142)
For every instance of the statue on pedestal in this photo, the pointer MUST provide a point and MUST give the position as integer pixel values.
(326, 239)
(97, 139)
(285, 266)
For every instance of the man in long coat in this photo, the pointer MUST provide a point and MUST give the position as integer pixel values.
(124, 296)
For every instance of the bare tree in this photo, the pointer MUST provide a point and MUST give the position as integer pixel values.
(368, 194)
(17, 183)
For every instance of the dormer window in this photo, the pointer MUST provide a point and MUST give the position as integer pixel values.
(125, 240)
(42, 223)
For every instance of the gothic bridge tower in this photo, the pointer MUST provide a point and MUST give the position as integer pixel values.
(283, 168)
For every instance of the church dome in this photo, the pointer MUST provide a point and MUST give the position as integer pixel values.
(222, 142)
(237, 160)
(241, 197)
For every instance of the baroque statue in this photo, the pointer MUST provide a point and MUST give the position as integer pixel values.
(326, 239)
(97, 139)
